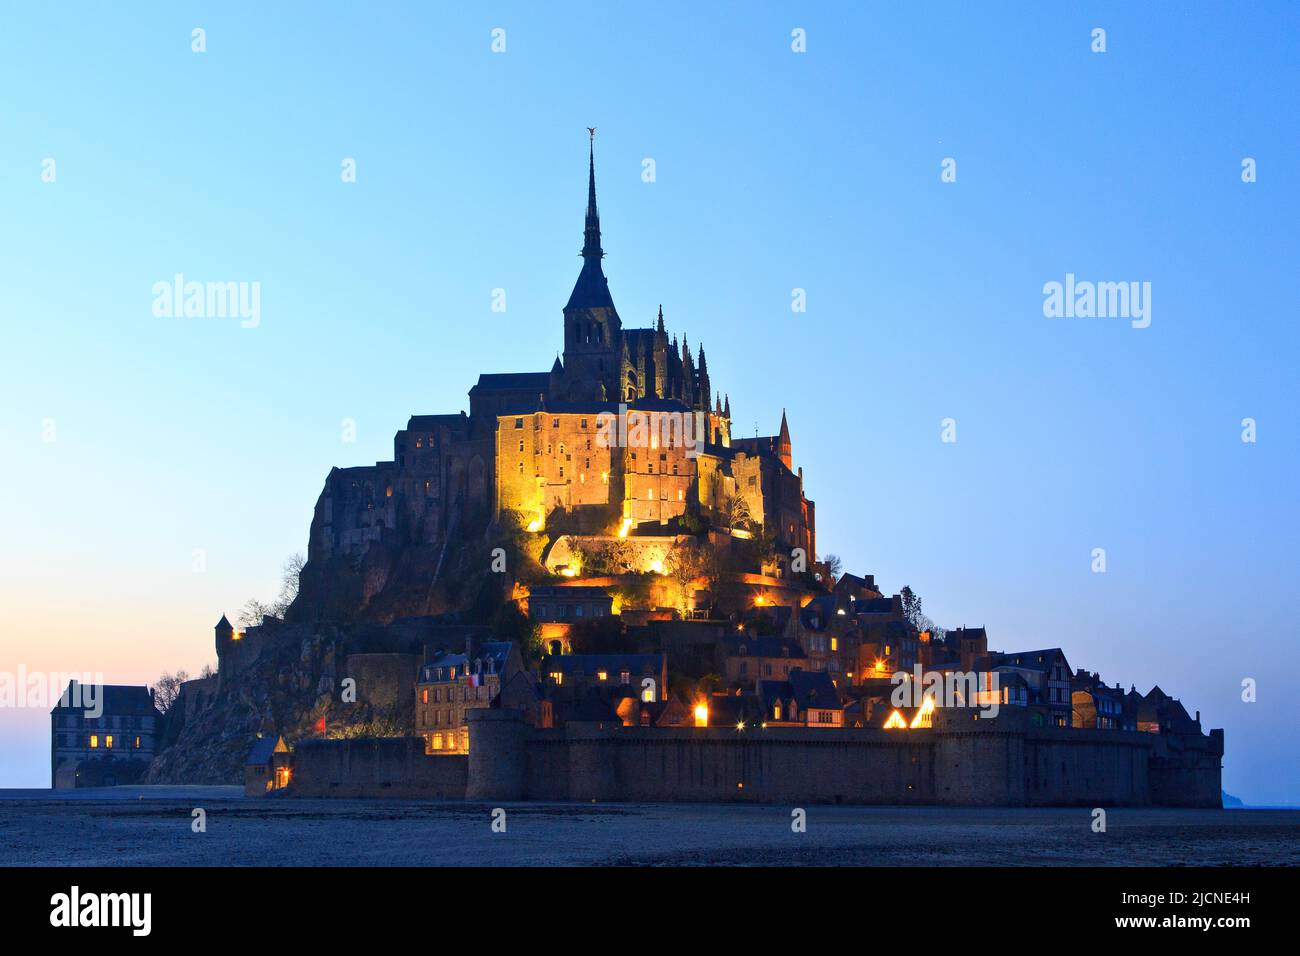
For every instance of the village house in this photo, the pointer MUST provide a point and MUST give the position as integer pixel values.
(267, 766)
(112, 747)
(747, 660)
(452, 683)
(1047, 673)
(805, 699)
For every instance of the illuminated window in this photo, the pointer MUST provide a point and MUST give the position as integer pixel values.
(108, 741)
(557, 676)
(437, 741)
(137, 743)
(835, 643)
(602, 675)
(424, 696)
(776, 711)
(625, 677)
(681, 494)
(94, 741)
(388, 491)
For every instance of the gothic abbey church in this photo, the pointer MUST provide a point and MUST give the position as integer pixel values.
(382, 535)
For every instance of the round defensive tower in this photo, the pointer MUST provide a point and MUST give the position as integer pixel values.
(496, 753)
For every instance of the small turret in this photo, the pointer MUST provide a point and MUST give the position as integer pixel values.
(225, 637)
(783, 450)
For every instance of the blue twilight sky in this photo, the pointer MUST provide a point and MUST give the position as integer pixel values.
(130, 440)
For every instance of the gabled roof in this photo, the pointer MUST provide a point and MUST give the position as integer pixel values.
(806, 688)
(117, 700)
(814, 689)
(1029, 660)
(263, 747)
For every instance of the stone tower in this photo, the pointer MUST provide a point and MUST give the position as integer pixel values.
(593, 332)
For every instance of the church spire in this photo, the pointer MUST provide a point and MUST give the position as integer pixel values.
(591, 291)
(591, 234)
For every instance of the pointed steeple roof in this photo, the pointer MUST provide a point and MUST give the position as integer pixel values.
(660, 327)
(557, 368)
(704, 365)
(783, 449)
(726, 408)
(591, 234)
(591, 291)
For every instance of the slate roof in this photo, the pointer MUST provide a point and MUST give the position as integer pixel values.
(512, 381)
(880, 605)
(731, 709)
(807, 688)
(1029, 660)
(118, 700)
(613, 664)
(260, 754)
(762, 647)
(820, 609)
(430, 422)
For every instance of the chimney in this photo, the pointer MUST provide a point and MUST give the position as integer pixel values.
(472, 644)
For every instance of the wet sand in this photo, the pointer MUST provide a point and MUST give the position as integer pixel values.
(151, 826)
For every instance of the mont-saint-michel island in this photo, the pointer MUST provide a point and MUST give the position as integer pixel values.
(592, 586)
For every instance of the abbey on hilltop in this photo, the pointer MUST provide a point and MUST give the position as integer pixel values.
(532, 448)
(588, 588)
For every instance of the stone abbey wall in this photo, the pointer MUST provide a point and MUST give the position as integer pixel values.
(960, 761)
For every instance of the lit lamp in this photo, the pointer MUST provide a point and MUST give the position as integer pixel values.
(701, 715)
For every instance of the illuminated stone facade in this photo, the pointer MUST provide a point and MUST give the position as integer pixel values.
(625, 430)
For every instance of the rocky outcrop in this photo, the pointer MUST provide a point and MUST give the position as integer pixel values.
(294, 682)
